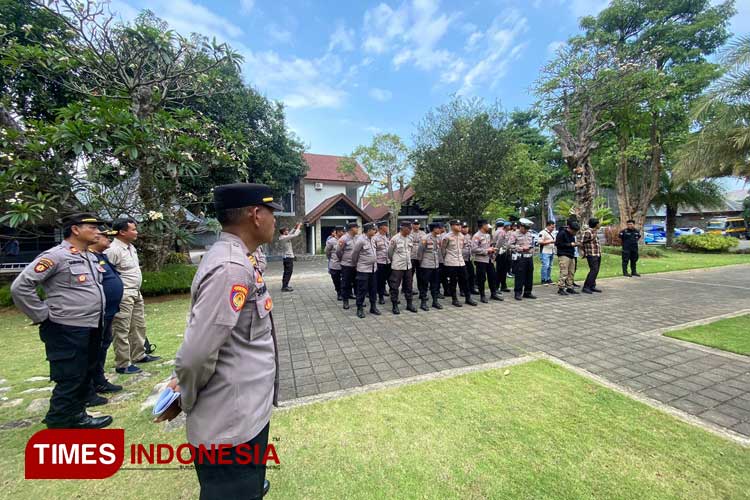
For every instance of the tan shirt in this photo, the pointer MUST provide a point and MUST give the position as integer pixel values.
(286, 243)
(416, 237)
(481, 244)
(333, 259)
(227, 365)
(364, 254)
(519, 240)
(399, 251)
(429, 252)
(452, 249)
(381, 247)
(124, 258)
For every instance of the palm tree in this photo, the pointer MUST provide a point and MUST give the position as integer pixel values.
(695, 194)
(722, 145)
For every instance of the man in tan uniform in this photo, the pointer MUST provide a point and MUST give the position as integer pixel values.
(364, 257)
(399, 252)
(452, 249)
(227, 366)
(129, 324)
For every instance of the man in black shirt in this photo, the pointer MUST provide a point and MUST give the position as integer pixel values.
(565, 242)
(629, 237)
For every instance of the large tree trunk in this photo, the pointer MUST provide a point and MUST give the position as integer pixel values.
(671, 223)
(585, 188)
(154, 243)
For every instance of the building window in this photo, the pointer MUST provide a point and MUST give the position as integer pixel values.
(351, 193)
(287, 201)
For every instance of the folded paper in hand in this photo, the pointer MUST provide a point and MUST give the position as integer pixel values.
(166, 398)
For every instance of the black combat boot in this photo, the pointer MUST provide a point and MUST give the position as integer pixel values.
(338, 296)
(435, 302)
(381, 300)
(360, 311)
(423, 305)
(517, 295)
(483, 299)
(496, 296)
(410, 306)
(374, 310)
(470, 301)
(395, 308)
(455, 302)
(346, 303)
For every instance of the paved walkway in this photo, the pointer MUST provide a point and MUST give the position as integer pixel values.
(613, 335)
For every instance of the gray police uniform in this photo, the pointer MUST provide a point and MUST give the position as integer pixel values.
(364, 257)
(334, 264)
(399, 252)
(344, 252)
(227, 365)
(484, 260)
(429, 263)
(503, 258)
(69, 322)
(384, 263)
(452, 247)
(523, 262)
(416, 237)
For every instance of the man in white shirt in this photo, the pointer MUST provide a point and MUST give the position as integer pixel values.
(288, 255)
(547, 253)
(128, 325)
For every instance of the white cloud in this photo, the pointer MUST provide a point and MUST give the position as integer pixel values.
(473, 40)
(501, 48)
(382, 25)
(246, 6)
(278, 34)
(342, 37)
(381, 95)
(188, 17)
(553, 47)
(317, 96)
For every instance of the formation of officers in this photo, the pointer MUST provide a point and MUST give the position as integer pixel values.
(439, 260)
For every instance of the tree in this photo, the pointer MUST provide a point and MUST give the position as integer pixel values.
(462, 150)
(722, 144)
(667, 43)
(574, 91)
(695, 194)
(386, 161)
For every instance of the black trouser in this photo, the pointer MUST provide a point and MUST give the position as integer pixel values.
(367, 286)
(594, 262)
(384, 270)
(502, 265)
(444, 278)
(471, 277)
(288, 270)
(234, 480)
(523, 272)
(401, 278)
(98, 378)
(485, 270)
(415, 270)
(629, 256)
(336, 278)
(457, 276)
(72, 352)
(430, 281)
(347, 281)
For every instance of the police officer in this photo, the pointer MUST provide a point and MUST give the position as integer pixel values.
(344, 253)
(382, 240)
(484, 255)
(416, 236)
(399, 252)
(334, 264)
(452, 249)
(502, 263)
(429, 262)
(444, 229)
(227, 366)
(629, 237)
(70, 319)
(522, 244)
(364, 258)
(466, 252)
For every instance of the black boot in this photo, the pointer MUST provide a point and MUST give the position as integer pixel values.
(423, 305)
(456, 303)
(496, 296)
(339, 297)
(374, 310)
(360, 311)
(517, 295)
(470, 301)
(410, 306)
(435, 302)
(483, 299)
(386, 294)
(346, 303)
(381, 300)
(395, 309)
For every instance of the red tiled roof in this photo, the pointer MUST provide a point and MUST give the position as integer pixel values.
(378, 211)
(325, 205)
(326, 168)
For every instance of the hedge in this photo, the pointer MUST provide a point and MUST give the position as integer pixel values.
(174, 278)
(707, 243)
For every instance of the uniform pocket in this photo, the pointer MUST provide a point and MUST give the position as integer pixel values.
(62, 365)
(80, 275)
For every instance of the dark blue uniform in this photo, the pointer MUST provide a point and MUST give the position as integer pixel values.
(113, 288)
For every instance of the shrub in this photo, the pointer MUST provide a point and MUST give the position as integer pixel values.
(706, 242)
(5, 298)
(612, 236)
(612, 250)
(653, 252)
(173, 278)
(178, 258)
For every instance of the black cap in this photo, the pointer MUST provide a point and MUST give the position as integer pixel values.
(382, 223)
(81, 218)
(454, 222)
(464, 224)
(435, 225)
(368, 226)
(482, 222)
(416, 221)
(338, 228)
(243, 194)
(406, 223)
(350, 225)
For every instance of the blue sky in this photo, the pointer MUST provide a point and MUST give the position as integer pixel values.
(347, 70)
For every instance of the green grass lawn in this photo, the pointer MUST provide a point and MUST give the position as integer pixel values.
(732, 334)
(538, 432)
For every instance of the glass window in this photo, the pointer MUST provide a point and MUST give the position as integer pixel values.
(287, 201)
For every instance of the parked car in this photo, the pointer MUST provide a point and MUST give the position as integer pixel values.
(728, 226)
(654, 234)
(682, 231)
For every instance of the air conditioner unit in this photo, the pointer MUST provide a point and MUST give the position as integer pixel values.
(318, 186)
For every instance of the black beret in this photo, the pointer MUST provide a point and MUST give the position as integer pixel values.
(435, 225)
(81, 218)
(482, 222)
(350, 225)
(454, 222)
(243, 194)
(338, 228)
(406, 223)
(368, 226)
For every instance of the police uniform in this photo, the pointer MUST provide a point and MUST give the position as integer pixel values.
(503, 259)
(429, 262)
(344, 253)
(364, 257)
(471, 277)
(452, 249)
(399, 252)
(70, 323)
(522, 246)
(480, 248)
(416, 237)
(260, 258)
(629, 238)
(227, 365)
(384, 263)
(334, 264)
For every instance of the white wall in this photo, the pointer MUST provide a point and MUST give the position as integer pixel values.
(313, 198)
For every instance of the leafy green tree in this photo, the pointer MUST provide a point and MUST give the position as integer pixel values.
(695, 194)
(462, 150)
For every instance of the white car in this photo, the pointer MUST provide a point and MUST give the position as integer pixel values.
(682, 231)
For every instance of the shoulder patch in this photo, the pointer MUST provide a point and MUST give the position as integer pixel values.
(43, 264)
(237, 297)
(74, 250)
(268, 305)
